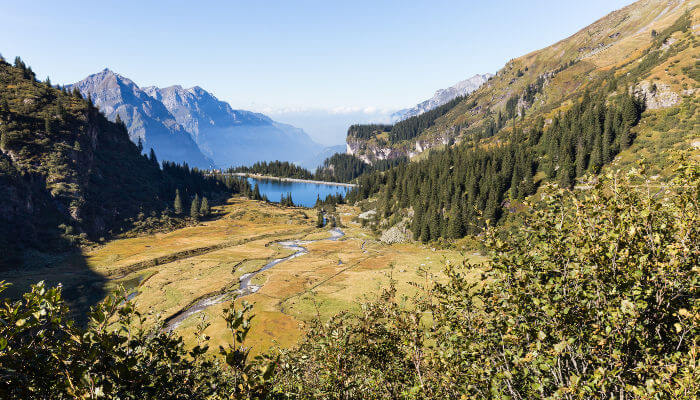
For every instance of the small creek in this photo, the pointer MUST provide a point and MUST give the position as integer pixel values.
(245, 287)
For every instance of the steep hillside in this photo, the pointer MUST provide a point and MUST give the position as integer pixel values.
(68, 175)
(146, 119)
(193, 126)
(633, 46)
(443, 96)
(620, 91)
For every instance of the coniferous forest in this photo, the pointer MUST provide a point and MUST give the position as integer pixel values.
(454, 192)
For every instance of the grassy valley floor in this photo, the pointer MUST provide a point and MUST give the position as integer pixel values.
(171, 271)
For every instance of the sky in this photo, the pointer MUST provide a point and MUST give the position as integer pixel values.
(290, 58)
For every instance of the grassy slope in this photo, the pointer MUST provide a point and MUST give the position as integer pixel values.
(617, 41)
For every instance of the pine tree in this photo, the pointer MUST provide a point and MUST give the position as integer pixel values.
(425, 229)
(139, 144)
(152, 158)
(3, 137)
(455, 225)
(625, 138)
(177, 204)
(47, 125)
(630, 111)
(596, 160)
(417, 221)
(435, 225)
(581, 159)
(319, 220)
(61, 110)
(204, 209)
(256, 192)
(527, 185)
(4, 108)
(566, 175)
(194, 208)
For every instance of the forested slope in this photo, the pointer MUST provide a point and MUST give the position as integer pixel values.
(69, 175)
(544, 82)
(541, 132)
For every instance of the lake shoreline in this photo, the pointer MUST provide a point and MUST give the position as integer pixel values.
(257, 176)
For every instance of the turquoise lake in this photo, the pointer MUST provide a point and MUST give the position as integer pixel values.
(303, 193)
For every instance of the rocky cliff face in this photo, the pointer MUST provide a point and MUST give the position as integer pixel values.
(145, 118)
(192, 125)
(443, 96)
(371, 151)
(233, 137)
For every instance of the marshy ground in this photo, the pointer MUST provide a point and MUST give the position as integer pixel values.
(171, 271)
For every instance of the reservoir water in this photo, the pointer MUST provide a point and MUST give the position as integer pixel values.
(303, 193)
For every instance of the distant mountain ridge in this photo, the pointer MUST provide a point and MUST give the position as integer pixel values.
(442, 96)
(145, 118)
(192, 125)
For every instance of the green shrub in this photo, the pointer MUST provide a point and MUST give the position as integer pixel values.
(597, 296)
(45, 356)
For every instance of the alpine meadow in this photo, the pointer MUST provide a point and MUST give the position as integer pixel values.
(531, 233)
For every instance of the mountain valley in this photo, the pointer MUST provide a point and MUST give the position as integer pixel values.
(533, 233)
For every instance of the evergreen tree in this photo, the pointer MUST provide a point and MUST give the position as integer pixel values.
(47, 125)
(177, 204)
(630, 110)
(194, 208)
(3, 137)
(4, 108)
(625, 138)
(596, 161)
(566, 176)
(256, 192)
(319, 220)
(204, 209)
(417, 221)
(455, 225)
(61, 110)
(527, 185)
(152, 158)
(581, 159)
(425, 229)
(139, 144)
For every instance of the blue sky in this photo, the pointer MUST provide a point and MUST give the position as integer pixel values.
(281, 56)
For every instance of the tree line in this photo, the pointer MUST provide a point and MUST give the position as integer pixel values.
(453, 192)
(585, 300)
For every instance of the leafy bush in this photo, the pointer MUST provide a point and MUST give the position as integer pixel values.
(44, 356)
(597, 297)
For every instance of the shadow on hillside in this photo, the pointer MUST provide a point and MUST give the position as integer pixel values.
(81, 287)
(35, 245)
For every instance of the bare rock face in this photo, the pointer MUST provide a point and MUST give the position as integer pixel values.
(443, 96)
(146, 119)
(395, 234)
(193, 126)
(657, 95)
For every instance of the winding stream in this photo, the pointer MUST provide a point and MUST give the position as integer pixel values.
(245, 287)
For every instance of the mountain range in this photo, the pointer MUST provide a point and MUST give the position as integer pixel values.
(442, 96)
(193, 126)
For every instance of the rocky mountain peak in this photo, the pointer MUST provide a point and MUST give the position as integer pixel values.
(443, 96)
(199, 120)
